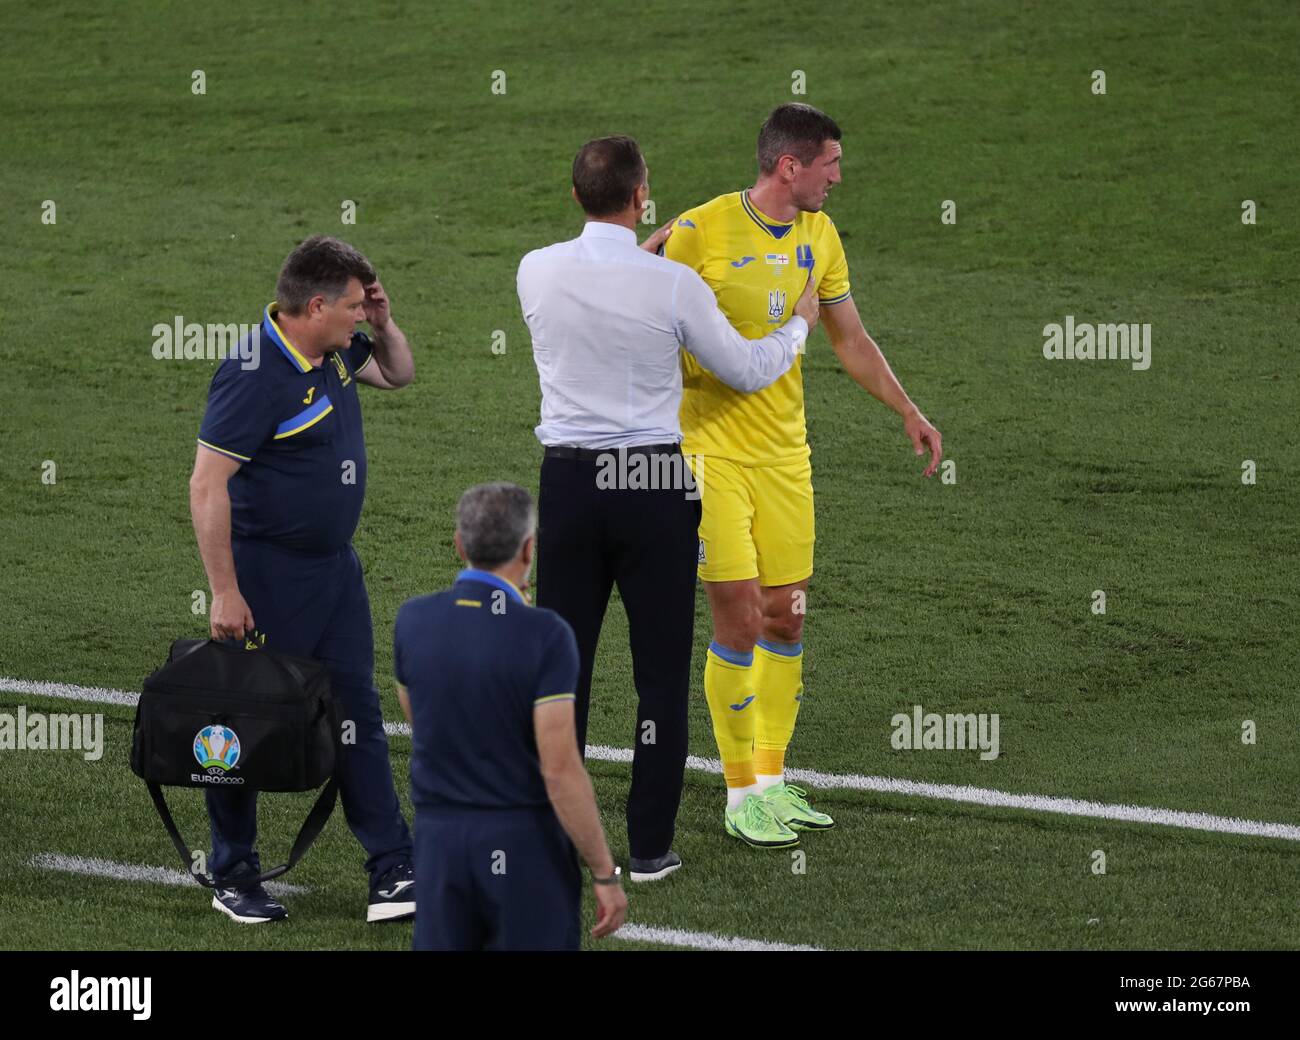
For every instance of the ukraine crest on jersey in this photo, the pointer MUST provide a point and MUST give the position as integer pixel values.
(756, 267)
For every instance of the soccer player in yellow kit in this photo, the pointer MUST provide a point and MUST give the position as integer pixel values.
(756, 249)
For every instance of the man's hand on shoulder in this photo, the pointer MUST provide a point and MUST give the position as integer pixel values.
(655, 242)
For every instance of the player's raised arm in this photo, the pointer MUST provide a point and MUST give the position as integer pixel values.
(744, 364)
(863, 360)
(394, 365)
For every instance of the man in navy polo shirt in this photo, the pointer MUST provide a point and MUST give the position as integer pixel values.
(501, 795)
(278, 484)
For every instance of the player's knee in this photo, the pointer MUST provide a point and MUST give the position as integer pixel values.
(740, 631)
(740, 639)
(738, 620)
(783, 614)
(787, 628)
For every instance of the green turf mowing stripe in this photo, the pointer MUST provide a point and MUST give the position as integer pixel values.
(844, 781)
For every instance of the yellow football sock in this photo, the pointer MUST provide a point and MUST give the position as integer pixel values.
(778, 681)
(728, 687)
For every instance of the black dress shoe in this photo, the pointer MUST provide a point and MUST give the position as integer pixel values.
(654, 869)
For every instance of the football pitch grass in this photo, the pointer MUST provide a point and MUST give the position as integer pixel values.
(973, 596)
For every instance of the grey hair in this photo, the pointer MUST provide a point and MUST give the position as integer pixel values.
(493, 521)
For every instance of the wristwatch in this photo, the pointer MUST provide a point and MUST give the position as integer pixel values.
(615, 878)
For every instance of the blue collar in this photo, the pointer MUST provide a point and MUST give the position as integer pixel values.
(272, 330)
(762, 220)
(488, 578)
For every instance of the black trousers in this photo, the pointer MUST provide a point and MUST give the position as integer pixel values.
(591, 537)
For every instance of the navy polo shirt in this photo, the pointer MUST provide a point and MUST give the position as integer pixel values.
(296, 429)
(476, 661)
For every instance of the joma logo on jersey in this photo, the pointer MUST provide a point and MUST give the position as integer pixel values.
(776, 303)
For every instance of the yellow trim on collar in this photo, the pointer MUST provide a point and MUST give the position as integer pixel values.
(766, 219)
(272, 309)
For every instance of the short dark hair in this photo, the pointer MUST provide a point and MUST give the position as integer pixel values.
(606, 174)
(319, 265)
(794, 129)
(493, 521)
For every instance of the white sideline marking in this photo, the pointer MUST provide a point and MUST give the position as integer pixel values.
(93, 694)
(95, 867)
(844, 781)
(704, 940)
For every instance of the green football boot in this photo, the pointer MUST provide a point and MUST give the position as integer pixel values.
(754, 824)
(789, 805)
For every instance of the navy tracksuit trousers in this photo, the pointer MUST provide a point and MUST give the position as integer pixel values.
(495, 879)
(317, 606)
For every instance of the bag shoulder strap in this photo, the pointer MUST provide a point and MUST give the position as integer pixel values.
(309, 832)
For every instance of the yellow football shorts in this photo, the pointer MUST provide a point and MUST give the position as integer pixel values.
(756, 522)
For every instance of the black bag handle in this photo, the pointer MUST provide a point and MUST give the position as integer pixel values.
(310, 831)
(240, 644)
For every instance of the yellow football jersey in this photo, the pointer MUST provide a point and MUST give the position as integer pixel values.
(757, 268)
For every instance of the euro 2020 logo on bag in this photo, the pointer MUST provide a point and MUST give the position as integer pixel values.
(217, 749)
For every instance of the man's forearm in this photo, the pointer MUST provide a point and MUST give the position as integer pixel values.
(863, 360)
(574, 802)
(393, 354)
(210, 511)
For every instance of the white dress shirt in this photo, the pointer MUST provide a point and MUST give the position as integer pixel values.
(607, 318)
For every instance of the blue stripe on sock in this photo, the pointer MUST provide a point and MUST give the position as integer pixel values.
(784, 649)
(733, 656)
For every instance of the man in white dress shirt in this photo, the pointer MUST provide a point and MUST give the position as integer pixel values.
(618, 504)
